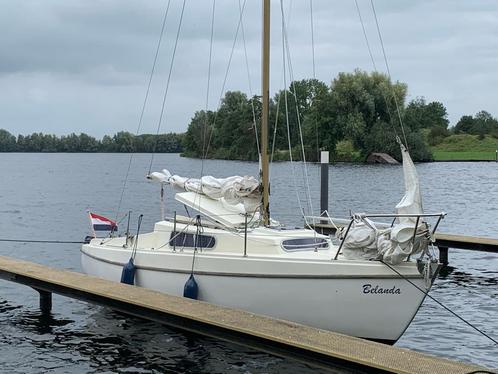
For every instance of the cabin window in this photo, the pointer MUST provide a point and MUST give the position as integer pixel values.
(181, 239)
(303, 244)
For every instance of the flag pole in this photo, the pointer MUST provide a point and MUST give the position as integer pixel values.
(91, 224)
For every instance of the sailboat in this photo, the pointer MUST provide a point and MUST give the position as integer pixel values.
(365, 283)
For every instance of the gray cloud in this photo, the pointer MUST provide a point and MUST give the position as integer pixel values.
(79, 65)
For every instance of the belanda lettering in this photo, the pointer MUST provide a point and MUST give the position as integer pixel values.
(368, 288)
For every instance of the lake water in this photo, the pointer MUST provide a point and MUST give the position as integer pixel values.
(45, 196)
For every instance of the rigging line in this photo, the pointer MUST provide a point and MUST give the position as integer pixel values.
(284, 69)
(167, 83)
(314, 76)
(208, 85)
(312, 39)
(426, 293)
(365, 35)
(226, 73)
(42, 241)
(204, 156)
(205, 130)
(305, 167)
(389, 73)
(277, 111)
(375, 68)
(144, 105)
(249, 82)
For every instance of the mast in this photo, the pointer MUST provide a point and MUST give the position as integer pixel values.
(265, 88)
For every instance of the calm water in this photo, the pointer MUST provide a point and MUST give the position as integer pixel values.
(45, 196)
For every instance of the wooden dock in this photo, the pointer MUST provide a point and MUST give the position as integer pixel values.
(316, 347)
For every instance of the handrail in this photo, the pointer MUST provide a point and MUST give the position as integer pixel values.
(382, 215)
(414, 215)
(393, 215)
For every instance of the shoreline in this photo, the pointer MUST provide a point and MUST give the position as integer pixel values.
(224, 159)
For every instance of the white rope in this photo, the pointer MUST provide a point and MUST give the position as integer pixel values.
(330, 220)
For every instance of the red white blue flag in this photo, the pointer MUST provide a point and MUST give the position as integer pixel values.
(100, 223)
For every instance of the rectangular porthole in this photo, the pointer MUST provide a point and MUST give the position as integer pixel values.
(304, 244)
(181, 239)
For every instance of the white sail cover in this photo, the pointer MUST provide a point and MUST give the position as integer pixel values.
(393, 245)
(232, 190)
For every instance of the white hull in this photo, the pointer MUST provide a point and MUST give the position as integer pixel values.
(311, 289)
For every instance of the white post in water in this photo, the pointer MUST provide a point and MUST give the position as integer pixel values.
(324, 182)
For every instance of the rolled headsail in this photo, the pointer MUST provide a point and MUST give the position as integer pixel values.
(411, 203)
(402, 243)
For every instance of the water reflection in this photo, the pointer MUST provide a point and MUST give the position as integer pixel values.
(107, 341)
(450, 276)
(38, 322)
(5, 306)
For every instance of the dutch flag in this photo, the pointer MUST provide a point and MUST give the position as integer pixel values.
(100, 223)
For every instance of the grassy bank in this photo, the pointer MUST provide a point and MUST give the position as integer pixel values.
(465, 147)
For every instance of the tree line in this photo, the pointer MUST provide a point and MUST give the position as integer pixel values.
(120, 142)
(357, 114)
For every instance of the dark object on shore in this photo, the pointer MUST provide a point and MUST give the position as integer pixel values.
(381, 158)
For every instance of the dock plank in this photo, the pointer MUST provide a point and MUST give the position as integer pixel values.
(275, 336)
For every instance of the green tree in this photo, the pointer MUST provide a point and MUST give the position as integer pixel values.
(420, 115)
(7, 141)
(481, 124)
(198, 133)
(233, 135)
(464, 125)
(123, 141)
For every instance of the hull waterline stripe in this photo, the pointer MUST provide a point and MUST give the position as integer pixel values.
(253, 275)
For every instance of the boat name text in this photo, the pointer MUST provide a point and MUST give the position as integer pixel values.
(368, 288)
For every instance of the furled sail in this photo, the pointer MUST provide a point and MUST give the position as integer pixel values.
(395, 244)
(411, 203)
(232, 190)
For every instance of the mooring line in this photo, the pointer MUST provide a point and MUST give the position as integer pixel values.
(42, 241)
(426, 293)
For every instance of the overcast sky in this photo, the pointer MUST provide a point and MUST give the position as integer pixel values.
(82, 66)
